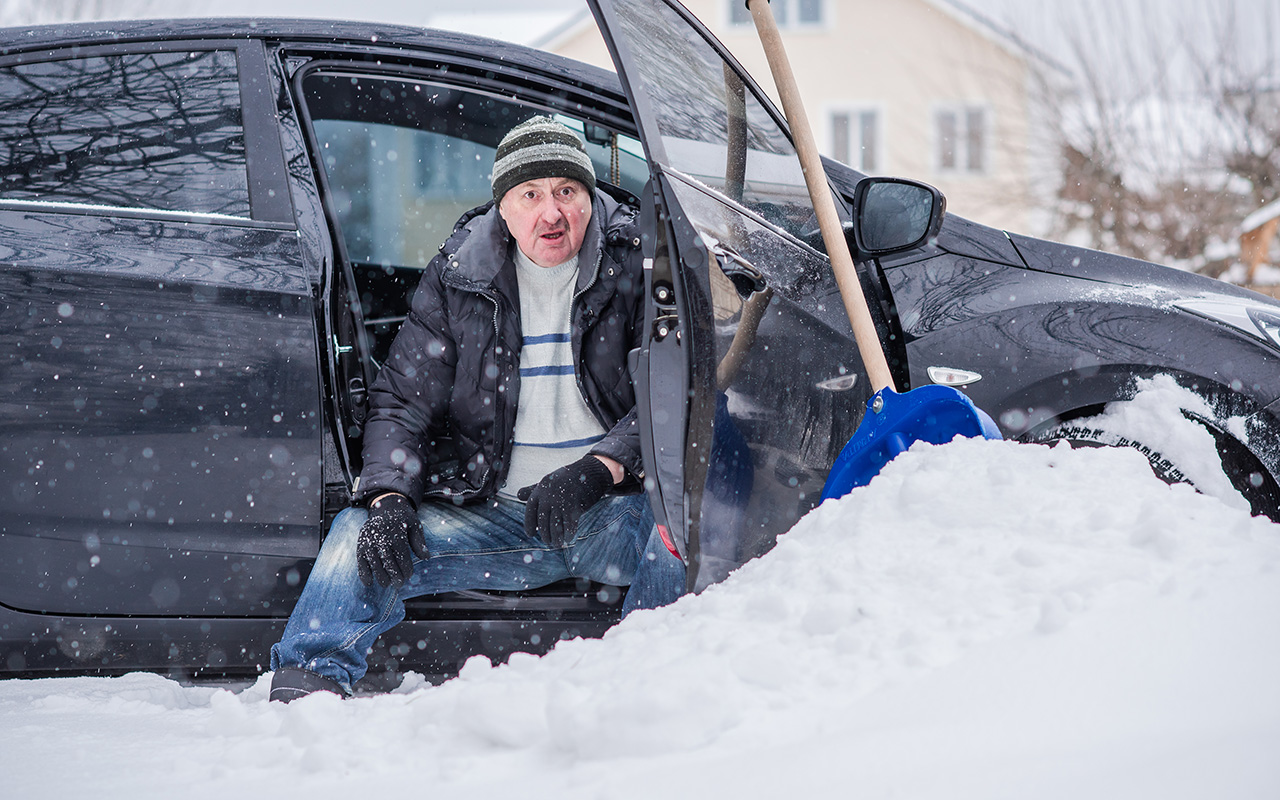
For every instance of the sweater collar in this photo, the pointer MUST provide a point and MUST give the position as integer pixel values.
(527, 266)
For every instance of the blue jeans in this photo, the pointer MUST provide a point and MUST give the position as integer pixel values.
(478, 546)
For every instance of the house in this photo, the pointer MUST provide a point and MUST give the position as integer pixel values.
(926, 89)
(1258, 231)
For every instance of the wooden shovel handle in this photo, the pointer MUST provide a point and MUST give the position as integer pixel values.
(855, 303)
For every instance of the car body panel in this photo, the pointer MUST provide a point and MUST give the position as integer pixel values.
(1094, 265)
(1053, 346)
(1022, 329)
(163, 438)
(165, 429)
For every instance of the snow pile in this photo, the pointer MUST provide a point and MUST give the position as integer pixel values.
(1154, 418)
(985, 619)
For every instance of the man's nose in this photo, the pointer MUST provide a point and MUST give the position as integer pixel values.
(549, 210)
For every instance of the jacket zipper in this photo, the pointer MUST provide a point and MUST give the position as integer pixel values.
(497, 394)
(577, 372)
(497, 337)
(595, 276)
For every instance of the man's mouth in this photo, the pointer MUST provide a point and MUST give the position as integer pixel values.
(553, 236)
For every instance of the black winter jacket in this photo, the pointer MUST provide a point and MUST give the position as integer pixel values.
(443, 408)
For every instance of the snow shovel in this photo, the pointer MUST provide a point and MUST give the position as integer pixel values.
(934, 414)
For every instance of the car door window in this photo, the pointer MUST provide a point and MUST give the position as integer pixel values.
(156, 130)
(710, 126)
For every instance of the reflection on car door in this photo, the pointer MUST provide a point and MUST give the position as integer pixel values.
(745, 312)
(160, 437)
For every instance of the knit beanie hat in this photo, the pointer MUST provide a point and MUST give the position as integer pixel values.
(540, 147)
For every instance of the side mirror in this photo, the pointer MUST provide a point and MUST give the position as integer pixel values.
(891, 215)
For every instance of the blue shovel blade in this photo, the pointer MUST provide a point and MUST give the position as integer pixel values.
(893, 422)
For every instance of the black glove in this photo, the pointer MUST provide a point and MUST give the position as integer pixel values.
(557, 501)
(386, 539)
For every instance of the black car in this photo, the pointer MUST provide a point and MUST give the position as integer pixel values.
(209, 231)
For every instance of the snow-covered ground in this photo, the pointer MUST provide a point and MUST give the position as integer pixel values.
(985, 620)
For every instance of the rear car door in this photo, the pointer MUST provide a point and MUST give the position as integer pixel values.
(750, 381)
(160, 423)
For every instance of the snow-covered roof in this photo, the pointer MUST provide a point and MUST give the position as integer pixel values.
(569, 27)
(531, 28)
(547, 28)
(985, 26)
(1261, 217)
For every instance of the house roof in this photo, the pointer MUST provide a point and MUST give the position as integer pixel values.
(569, 27)
(541, 28)
(996, 32)
(1261, 217)
(549, 28)
(534, 28)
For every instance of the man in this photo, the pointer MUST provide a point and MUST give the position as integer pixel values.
(501, 449)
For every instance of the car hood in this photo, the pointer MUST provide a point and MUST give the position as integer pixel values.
(1093, 265)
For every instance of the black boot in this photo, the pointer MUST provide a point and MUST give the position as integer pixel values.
(290, 683)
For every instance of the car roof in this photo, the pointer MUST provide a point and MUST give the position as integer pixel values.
(381, 36)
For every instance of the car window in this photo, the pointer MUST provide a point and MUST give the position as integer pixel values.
(405, 159)
(712, 126)
(157, 130)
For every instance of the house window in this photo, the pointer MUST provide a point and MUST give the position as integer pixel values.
(855, 138)
(787, 13)
(961, 135)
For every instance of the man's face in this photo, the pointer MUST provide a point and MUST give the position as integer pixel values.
(548, 217)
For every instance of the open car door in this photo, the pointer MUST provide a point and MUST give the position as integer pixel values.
(749, 382)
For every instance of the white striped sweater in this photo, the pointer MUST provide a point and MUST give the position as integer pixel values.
(554, 426)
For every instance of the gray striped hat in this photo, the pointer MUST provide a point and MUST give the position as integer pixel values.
(540, 147)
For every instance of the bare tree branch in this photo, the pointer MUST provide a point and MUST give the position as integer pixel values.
(1172, 135)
